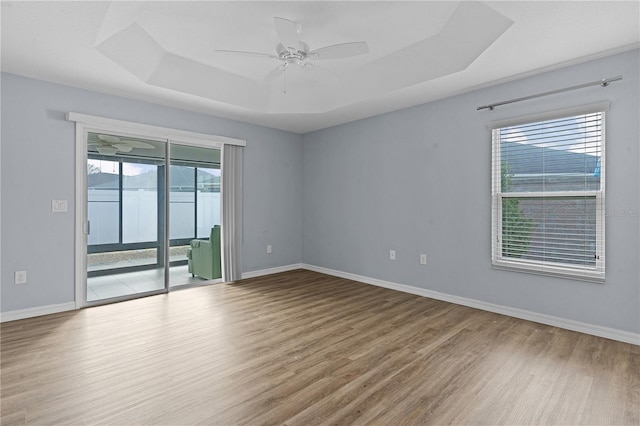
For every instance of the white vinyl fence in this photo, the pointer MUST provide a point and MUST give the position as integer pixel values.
(140, 215)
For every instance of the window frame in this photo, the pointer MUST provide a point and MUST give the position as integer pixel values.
(498, 261)
(120, 244)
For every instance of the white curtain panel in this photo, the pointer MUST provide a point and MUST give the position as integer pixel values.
(232, 164)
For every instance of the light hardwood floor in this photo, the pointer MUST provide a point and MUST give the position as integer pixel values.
(302, 348)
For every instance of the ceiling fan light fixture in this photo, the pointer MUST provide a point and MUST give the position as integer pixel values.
(107, 150)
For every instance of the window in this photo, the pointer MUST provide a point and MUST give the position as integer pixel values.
(194, 196)
(122, 202)
(182, 202)
(194, 202)
(548, 195)
(139, 202)
(208, 200)
(103, 196)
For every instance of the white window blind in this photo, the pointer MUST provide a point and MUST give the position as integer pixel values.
(548, 196)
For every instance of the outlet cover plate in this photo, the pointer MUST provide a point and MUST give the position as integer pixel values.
(59, 206)
(20, 277)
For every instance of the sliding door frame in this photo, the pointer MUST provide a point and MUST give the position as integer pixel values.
(87, 123)
(190, 142)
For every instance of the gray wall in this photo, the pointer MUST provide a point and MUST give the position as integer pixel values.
(38, 165)
(418, 181)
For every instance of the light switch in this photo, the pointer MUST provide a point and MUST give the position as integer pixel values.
(59, 206)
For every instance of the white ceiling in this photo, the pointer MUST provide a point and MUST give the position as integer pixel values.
(419, 51)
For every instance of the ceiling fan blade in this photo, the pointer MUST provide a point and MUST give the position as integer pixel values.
(288, 31)
(109, 138)
(123, 147)
(241, 53)
(342, 50)
(272, 75)
(135, 144)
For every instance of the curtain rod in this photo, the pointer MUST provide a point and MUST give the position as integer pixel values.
(604, 83)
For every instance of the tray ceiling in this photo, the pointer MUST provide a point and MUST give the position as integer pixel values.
(165, 52)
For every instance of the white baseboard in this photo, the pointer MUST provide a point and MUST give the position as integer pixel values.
(53, 309)
(269, 271)
(37, 311)
(595, 330)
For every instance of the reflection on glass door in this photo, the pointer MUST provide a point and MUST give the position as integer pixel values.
(194, 212)
(125, 210)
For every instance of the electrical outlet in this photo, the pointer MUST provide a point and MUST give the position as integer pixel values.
(423, 259)
(20, 277)
(392, 255)
(268, 248)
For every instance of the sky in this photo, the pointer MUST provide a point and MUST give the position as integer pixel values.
(580, 134)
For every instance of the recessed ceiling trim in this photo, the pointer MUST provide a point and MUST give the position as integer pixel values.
(469, 31)
(61, 42)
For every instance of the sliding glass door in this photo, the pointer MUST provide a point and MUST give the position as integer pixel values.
(125, 215)
(153, 220)
(194, 211)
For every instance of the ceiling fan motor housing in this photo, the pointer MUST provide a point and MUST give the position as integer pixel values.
(293, 56)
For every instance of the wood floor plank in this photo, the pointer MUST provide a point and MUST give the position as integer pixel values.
(303, 348)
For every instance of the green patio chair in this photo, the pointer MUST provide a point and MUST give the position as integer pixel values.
(204, 256)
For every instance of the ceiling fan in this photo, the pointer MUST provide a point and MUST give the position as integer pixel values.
(293, 51)
(110, 145)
